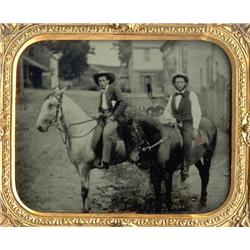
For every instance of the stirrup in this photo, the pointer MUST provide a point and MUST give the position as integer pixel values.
(103, 165)
(184, 172)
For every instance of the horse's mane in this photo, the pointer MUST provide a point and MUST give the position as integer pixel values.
(67, 98)
(76, 107)
(49, 95)
(149, 122)
(152, 128)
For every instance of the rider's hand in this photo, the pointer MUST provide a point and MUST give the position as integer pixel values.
(195, 132)
(99, 116)
(112, 118)
(164, 120)
(172, 120)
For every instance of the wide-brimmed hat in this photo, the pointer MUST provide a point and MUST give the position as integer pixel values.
(108, 75)
(180, 74)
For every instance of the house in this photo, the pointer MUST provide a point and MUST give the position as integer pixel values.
(38, 68)
(145, 60)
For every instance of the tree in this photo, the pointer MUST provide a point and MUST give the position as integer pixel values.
(73, 61)
(124, 51)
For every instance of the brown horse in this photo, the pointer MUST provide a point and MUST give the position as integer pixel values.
(77, 128)
(165, 155)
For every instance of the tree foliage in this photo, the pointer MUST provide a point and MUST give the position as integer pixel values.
(124, 51)
(73, 60)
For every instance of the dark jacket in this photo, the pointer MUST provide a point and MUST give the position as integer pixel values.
(114, 94)
(183, 113)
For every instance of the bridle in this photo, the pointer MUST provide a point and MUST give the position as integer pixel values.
(64, 132)
(140, 138)
(148, 147)
(66, 126)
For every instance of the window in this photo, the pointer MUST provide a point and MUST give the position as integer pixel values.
(147, 55)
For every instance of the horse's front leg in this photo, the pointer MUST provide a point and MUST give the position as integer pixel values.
(156, 182)
(168, 177)
(84, 171)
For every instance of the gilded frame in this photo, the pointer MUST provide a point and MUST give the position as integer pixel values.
(234, 39)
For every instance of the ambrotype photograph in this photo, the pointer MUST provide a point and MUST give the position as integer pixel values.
(123, 126)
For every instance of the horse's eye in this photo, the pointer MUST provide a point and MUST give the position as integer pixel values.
(50, 106)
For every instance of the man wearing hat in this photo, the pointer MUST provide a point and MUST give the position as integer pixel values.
(112, 106)
(155, 110)
(183, 108)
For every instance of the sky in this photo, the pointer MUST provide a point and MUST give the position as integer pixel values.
(105, 54)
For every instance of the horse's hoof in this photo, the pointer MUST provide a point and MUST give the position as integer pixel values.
(157, 208)
(85, 211)
(202, 203)
(169, 207)
(184, 176)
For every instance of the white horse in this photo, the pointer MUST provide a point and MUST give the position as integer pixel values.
(76, 128)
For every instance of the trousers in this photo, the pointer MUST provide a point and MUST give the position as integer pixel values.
(109, 137)
(187, 135)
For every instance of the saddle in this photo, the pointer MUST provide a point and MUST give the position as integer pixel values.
(125, 127)
(201, 139)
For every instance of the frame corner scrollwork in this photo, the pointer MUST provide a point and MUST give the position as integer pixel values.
(236, 38)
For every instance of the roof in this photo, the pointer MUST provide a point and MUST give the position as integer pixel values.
(35, 63)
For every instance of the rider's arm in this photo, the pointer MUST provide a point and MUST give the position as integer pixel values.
(195, 110)
(122, 103)
(100, 102)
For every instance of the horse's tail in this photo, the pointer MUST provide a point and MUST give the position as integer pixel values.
(213, 139)
(212, 144)
(210, 129)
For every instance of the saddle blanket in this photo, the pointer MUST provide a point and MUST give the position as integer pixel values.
(201, 139)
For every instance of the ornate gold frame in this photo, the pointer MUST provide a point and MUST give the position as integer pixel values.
(234, 39)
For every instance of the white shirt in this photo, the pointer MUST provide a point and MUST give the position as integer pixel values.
(104, 99)
(195, 109)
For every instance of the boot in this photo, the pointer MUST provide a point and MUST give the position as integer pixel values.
(103, 165)
(184, 171)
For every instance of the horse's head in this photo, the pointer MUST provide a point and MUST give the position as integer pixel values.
(145, 131)
(50, 110)
(133, 139)
(136, 141)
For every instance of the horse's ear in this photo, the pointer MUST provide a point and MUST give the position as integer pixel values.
(59, 92)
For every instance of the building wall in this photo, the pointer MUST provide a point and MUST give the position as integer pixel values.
(146, 55)
(205, 62)
(35, 67)
(138, 80)
(39, 54)
(209, 71)
(174, 57)
(210, 76)
(146, 59)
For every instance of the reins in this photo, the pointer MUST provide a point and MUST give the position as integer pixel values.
(66, 138)
(73, 124)
(64, 133)
(67, 126)
(150, 147)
